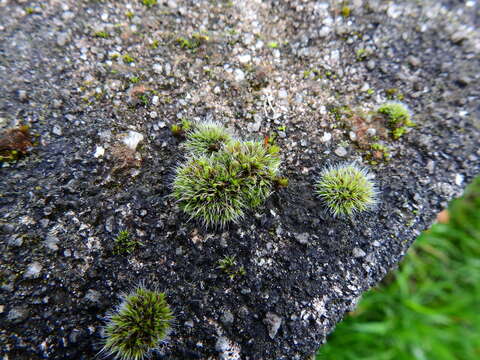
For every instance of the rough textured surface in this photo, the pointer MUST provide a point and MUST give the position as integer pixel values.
(85, 75)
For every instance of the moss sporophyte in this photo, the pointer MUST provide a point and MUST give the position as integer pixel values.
(138, 325)
(346, 189)
(223, 177)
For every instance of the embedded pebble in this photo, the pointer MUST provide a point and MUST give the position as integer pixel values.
(33, 270)
(132, 139)
(357, 252)
(273, 323)
(340, 151)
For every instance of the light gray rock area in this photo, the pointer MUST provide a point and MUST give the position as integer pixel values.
(99, 83)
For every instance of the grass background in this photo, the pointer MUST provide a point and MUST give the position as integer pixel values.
(430, 308)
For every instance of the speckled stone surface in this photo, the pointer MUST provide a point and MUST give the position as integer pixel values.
(91, 77)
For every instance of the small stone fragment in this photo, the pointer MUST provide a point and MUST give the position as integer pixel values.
(17, 314)
(227, 318)
(22, 95)
(273, 322)
(302, 238)
(99, 151)
(340, 151)
(132, 139)
(357, 252)
(62, 39)
(239, 75)
(33, 270)
(222, 344)
(157, 68)
(326, 137)
(51, 243)
(57, 130)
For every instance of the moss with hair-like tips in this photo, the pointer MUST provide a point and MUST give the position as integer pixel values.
(259, 167)
(219, 188)
(207, 139)
(346, 189)
(210, 190)
(137, 327)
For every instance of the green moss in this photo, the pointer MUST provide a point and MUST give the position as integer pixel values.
(127, 59)
(272, 45)
(193, 43)
(124, 243)
(138, 325)
(102, 34)
(346, 190)
(207, 139)
(218, 186)
(361, 54)
(346, 11)
(394, 94)
(398, 117)
(149, 3)
(130, 14)
(155, 44)
(229, 266)
(281, 181)
(382, 149)
(134, 79)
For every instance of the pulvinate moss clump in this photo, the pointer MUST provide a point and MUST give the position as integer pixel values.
(138, 325)
(398, 117)
(346, 190)
(207, 139)
(222, 177)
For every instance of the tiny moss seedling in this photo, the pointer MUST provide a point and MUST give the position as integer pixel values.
(182, 128)
(398, 117)
(127, 59)
(149, 3)
(346, 190)
(101, 34)
(124, 243)
(229, 266)
(137, 327)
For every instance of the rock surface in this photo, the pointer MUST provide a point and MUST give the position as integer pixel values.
(82, 74)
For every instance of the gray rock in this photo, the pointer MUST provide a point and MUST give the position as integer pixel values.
(222, 344)
(227, 318)
(302, 238)
(371, 64)
(57, 130)
(273, 323)
(51, 243)
(33, 270)
(63, 38)
(157, 68)
(324, 31)
(15, 241)
(357, 252)
(22, 95)
(18, 314)
(340, 151)
(414, 61)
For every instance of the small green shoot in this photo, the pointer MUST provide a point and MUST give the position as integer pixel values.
(229, 266)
